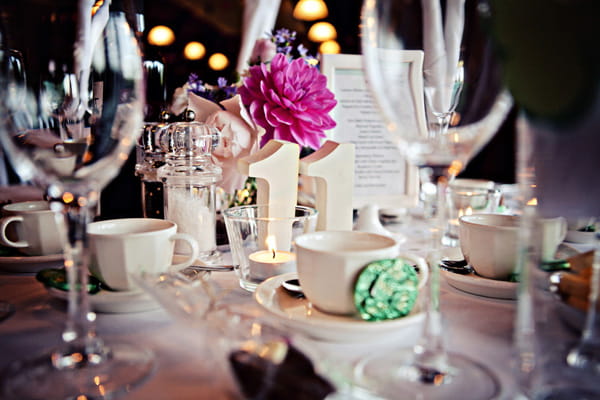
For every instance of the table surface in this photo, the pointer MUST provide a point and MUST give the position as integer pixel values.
(189, 367)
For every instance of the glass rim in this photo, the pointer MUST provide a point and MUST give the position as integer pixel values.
(474, 189)
(228, 213)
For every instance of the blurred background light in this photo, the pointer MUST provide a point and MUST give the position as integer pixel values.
(321, 32)
(218, 61)
(310, 10)
(194, 51)
(329, 47)
(161, 35)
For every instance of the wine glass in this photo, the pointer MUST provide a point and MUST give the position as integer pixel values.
(69, 127)
(462, 89)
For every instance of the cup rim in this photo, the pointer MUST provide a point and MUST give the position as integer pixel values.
(472, 221)
(10, 207)
(476, 190)
(391, 241)
(473, 183)
(229, 213)
(165, 224)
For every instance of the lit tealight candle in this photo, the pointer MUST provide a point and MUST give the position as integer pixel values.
(271, 262)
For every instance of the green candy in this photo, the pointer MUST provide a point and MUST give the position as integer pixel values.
(386, 289)
(57, 278)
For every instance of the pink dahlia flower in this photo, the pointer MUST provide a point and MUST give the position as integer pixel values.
(289, 100)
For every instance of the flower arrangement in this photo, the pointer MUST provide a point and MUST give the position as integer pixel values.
(282, 95)
(290, 100)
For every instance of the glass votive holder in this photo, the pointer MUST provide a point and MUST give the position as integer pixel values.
(264, 246)
(467, 200)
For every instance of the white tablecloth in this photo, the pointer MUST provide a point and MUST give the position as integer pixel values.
(478, 327)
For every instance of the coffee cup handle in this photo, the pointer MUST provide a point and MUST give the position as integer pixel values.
(3, 225)
(195, 250)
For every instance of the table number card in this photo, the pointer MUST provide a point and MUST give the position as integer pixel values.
(332, 168)
(382, 176)
(275, 167)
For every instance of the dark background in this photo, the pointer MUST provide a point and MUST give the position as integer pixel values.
(218, 24)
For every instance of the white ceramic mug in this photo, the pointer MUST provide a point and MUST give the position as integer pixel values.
(328, 264)
(553, 231)
(121, 247)
(489, 243)
(32, 228)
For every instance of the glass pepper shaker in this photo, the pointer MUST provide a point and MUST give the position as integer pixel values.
(150, 156)
(189, 179)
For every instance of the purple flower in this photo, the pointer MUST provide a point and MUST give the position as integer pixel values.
(289, 100)
(221, 82)
(195, 85)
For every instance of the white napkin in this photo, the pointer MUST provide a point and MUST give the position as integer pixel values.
(259, 19)
(441, 43)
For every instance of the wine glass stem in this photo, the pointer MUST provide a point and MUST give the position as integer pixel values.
(430, 351)
(443, 122)
(80, 342)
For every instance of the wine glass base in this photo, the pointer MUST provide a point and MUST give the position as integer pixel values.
(568, 393)
(392, 376)
(585, 356)
(124, 369)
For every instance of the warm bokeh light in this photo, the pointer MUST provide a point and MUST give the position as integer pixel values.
(310, 10)
(96, 6)
(321, 32)
(67, 197)
(455, 167)
(194, 51)
(161, 35)
(330, 47)
(218, 61)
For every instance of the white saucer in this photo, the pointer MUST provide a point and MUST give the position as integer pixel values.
(481, 286)
(299, 315)
(114, 302)
(580, 237)
(30, 263)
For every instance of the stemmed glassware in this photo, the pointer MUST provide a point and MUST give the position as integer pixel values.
(453, 45)
(557, 329)
(69, 127)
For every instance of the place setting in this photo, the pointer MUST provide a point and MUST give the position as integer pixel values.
(29, 237)
(328, 308)
(481, 239)
(121, 248)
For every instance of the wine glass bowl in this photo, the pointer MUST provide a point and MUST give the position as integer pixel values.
(455, 87)
(72, 107)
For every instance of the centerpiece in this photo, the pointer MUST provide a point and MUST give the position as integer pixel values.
(282, 95)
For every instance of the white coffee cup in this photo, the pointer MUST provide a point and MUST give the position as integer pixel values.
(489, 242)
(553, 231)
(328, 264)
(32, 228)
(121, 247)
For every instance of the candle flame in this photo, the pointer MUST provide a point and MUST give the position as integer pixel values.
(466, 211)
(271, 244)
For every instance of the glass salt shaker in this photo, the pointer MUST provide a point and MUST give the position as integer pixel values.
(189, 178)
